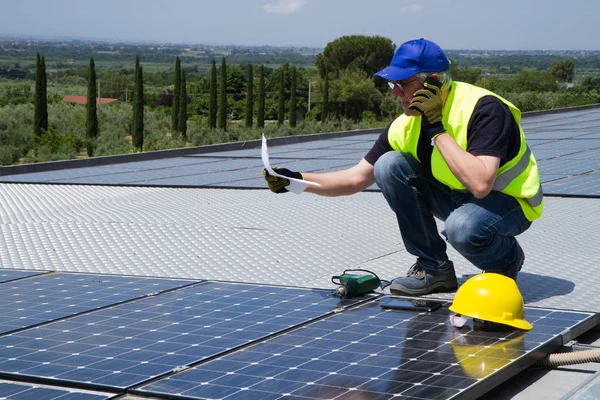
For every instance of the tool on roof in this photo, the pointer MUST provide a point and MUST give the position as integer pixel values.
(351, 285)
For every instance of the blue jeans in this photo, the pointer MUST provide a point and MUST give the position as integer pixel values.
(482, 230)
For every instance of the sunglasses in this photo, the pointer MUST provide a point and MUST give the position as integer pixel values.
(393, 84)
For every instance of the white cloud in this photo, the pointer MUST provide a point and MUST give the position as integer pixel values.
(412, 9)
(284, 7)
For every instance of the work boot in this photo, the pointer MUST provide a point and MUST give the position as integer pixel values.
(514, 270)
(419, 281)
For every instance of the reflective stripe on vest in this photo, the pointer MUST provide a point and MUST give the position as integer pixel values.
(504, 179)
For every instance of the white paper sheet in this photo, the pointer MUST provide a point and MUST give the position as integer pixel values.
(296, 186)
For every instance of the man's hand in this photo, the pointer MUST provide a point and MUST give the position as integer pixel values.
(428, 102)
(278, 184)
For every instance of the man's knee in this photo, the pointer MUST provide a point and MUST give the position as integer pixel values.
(464, 232)
(392, 164)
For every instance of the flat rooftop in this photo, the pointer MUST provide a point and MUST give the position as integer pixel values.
(182, 217)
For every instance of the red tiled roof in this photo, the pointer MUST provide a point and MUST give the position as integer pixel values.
(83, 99)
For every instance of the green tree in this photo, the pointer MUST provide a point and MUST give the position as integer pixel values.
(590, 83)
(293, 98)
(40, 120)
(183, 107)
(44, 115)
(176, 94)
(390, 106)
(281, 96)
(564, 70)
(325, 104)
(464, 74)
(136, 72)
(529, 80)
(212, 105)
(366, 53)
(137, 132)
(249, 97)
(352, 94)
(223, 96)
(260, 117)
(91, 125)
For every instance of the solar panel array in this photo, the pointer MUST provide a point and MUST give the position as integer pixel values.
(567, 148)
(117, 347)
(113, 335)
(25, 391)
(7, 275)
(368, 353)
(44, 298)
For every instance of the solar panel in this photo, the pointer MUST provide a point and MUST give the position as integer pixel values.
(560, 133)
(130, 343)
(24, 391)
(44, 298)
(366, 352)
(587, 185)
(7, 275)
(568, 166)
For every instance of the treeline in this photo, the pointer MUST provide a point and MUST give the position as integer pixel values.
(80, 53)
(513, 63)
(227, 102)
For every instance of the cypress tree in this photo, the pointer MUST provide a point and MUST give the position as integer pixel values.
(44, 113)
(183, 107)
(212, 105)
(293, 98)
(176, 94)
(325, 105)
(281, 98)
(260, 116)
(137, 136)
(250, 97)
(91, 125)
(223, 96)
(40, 120)
(133, 108)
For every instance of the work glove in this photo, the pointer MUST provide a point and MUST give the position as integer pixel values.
(278, 184)
(428, 102)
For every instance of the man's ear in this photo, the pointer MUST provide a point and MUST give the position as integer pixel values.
(435, 76)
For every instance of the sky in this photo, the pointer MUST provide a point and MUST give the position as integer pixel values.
(453, 24)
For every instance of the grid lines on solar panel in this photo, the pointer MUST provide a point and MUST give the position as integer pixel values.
(24, 391)
(7, 275)
(44, 298)
(367, 353)
(130, 343)
(580, 185)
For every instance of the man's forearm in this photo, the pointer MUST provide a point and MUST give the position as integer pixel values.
(342, 183)
(476, 175)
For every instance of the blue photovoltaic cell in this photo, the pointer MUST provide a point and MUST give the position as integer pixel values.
(370, 353)
(563, 166)
(25, 391)
(590, 155)
(573, 145)
(44, 298)
(7, 275)
(130, 343)
(558, 134)
(583, 185)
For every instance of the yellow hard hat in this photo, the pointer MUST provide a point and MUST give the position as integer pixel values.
(491, 297)
(478, 358)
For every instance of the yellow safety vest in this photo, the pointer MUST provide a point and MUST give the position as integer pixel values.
(518, 178)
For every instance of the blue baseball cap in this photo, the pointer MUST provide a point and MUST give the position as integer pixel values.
(415, 56)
